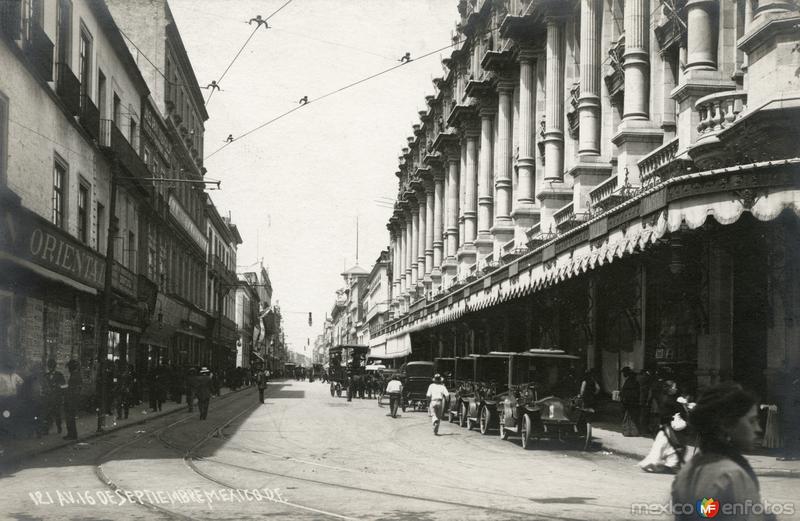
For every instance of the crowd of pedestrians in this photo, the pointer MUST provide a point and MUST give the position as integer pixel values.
(33, 404)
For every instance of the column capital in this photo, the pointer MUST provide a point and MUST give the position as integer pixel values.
(488, 112)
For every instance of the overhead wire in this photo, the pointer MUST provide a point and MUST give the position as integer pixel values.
(148, 59)
(258, 26)
(331, 93)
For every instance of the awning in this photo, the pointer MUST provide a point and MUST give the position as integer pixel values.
(377, 346)
(191, 333)
(157, 335)
(396, 347)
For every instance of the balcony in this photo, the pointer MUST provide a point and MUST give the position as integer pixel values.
(90, 116)
(719, 111)
(509, 251)
(10, 21)
(536, 237)
(123, 280)
(608, 194)
(112, 140)
(565, 218)
(68, 88)
(653, 168)
(39, 50)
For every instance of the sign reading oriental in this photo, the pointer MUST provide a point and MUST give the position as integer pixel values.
(29, 237)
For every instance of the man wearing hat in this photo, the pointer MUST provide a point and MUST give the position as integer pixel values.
(203, 391)
(437, 395)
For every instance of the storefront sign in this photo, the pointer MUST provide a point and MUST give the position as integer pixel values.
(30, 237)
(183, 218)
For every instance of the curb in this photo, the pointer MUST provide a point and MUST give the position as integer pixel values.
(15, 458)
(765, 473)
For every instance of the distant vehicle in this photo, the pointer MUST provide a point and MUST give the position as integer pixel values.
(447, 368)
(540, 400)
(417, 376)
(346, 361)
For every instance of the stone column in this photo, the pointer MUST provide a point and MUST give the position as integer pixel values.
(589, 100)
(429, 225)
(421, 232)
(453, 159)
(470, 187)
(484, 241)
(401, 257)
(414, 245)
(407, 254)
(524, 213)
(438, 225)
(395, 267)
(636, 60)
(462, 191)
(502, 231)
(554, 102)
(701, 35)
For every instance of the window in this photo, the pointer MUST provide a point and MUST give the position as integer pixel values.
(117, 115)
(59, 188)
(101, 94)
(85, 61)
(99, 226)
(63, 31)
(134, 135)
(131, 257)
(3, 139)
(83, 213)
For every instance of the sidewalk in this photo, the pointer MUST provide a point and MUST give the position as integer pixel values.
(637, 448)
(14, 451)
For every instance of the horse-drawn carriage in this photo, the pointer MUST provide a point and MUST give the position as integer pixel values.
(416, 377)
(347, 368)
(460, 388)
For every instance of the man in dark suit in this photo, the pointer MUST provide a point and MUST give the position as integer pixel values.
(203, 391)
(71, 399)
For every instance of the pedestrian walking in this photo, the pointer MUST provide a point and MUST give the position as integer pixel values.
(191, 384)
(589, 389)
(53, 389)
(122, 389)
(71, 399)
(667, 454)
(203, 391)
(261, 381)
(395, 391)
(437, 395)
(629, 395)
(726, 421)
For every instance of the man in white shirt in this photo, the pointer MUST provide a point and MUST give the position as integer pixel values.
(395, 391)
(437, 394)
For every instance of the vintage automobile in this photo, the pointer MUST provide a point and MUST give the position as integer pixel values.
(463, 374)
(346, 360)
(488, 384)
(417, 376)
(539, 402)
(445, 367)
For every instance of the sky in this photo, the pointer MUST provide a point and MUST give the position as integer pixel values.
(296, 187)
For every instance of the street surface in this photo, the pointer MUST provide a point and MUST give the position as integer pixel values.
(305, 455)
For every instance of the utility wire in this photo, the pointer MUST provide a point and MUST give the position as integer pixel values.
(148, 59)
(340, 89)
(258, 26)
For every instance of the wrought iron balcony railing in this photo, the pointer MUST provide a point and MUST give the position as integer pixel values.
(112, 139)
(90, 116)
(68, 88)
(566, 218)
(39, 50)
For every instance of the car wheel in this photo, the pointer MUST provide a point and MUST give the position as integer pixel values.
(338, 391)
(526, 431)
(483, 420)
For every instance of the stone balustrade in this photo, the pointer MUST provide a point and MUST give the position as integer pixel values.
(652, 164)
(602, 191)
(719, 111)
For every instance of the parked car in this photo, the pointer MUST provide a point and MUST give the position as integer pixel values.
(489, 383)
(463, 374)
(417, 376)
(540, 400)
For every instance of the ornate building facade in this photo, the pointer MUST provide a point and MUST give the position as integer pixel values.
(617, 178)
